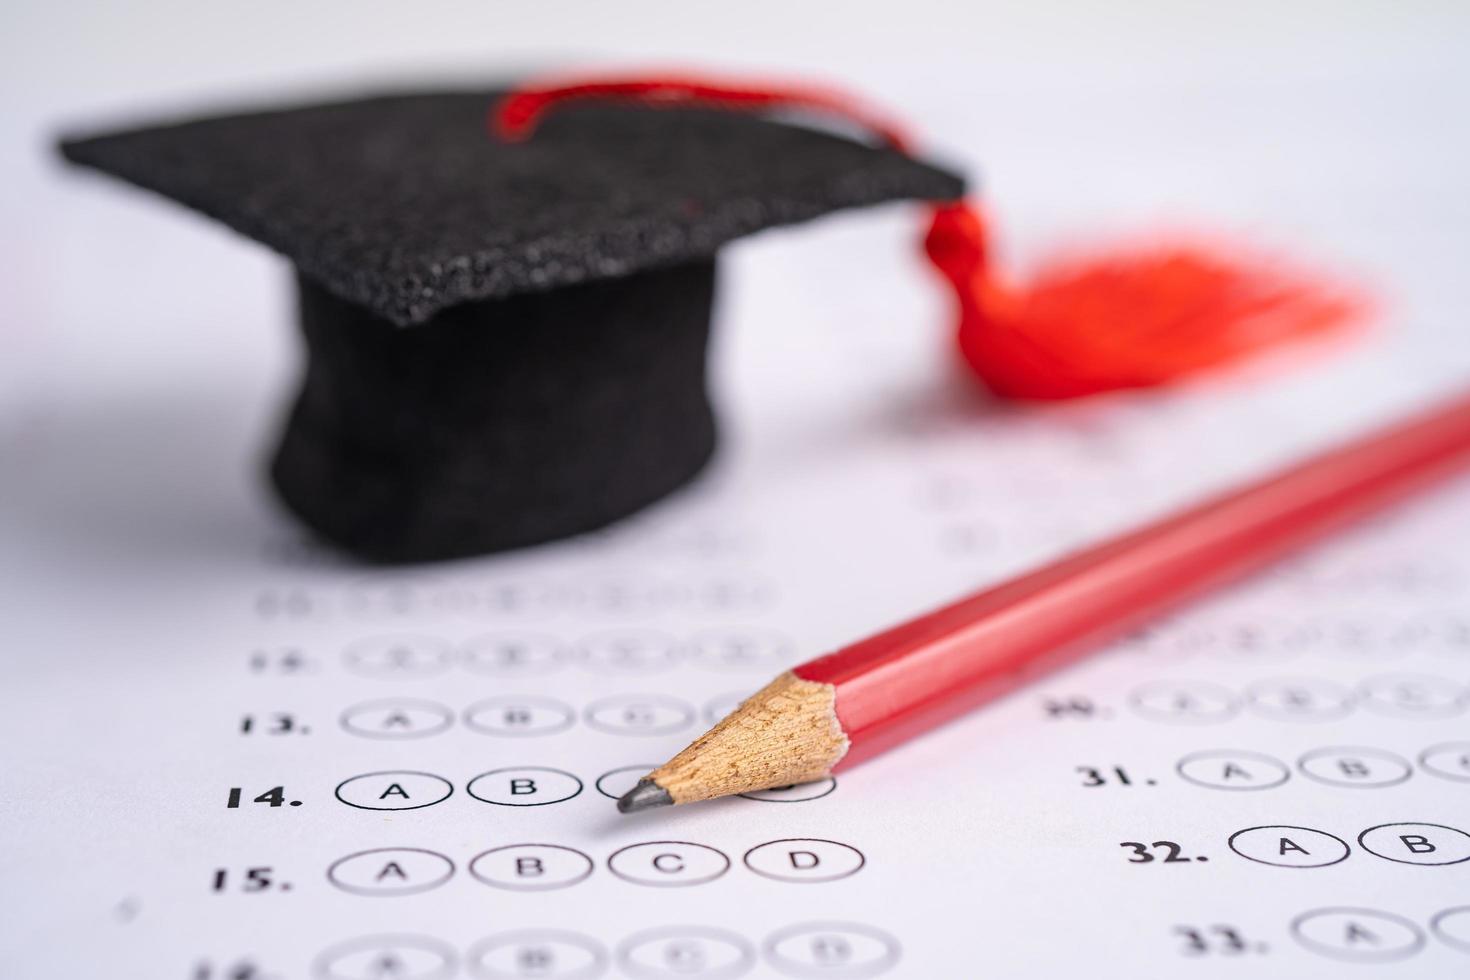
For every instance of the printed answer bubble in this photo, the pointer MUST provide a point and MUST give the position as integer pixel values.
(524, 786)
(394, 789)
(390, 596)
(397, 718)
(1416, 843)
(1363, 935)
(531, 867)
(390, 871)
(397, 656)
(512, 654)
(733, 594)
(1352, 766)
(1264, 639)
(518, 598)
(1414, 696)
(668, 863)
(1185, 702)
(639, 714)
(1285, 846)
(1233, 769)
(380, 957)
(624, 595)
(1453, 926)
(800, 793)
(741, 649)
(687, 951)
(1446, 634)
(519, 716)
(616, 782)
(1363, 637)
(546, 954)
(628, 652)
(844, 950)
(1449, 760)
(804, 859)
(1299, 699)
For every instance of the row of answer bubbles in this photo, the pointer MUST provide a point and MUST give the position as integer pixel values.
(1405, 842)
(841, 950)
(408, 789)
(1372, 936)
(1271, 638)
(400, 871)
(1333, 765)
(1424, 696)
(529, 716)
(520, 654)
(614, 594)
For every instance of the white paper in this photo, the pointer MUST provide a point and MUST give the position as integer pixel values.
(156, 603)
(133, 676)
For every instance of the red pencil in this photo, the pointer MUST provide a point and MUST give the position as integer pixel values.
(843, 708)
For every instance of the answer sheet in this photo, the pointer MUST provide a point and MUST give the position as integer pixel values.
(231, 755)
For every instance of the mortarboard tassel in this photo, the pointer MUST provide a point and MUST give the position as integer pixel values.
(1126, 319)
(1135, 319)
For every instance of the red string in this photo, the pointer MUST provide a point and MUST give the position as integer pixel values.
(519, 112)
(1123, 320)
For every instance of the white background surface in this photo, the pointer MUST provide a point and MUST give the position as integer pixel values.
(143, 352)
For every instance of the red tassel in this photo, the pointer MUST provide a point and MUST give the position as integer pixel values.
(1134, 319)
(1126, 320)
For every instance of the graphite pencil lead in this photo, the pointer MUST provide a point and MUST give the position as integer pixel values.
(645, 796)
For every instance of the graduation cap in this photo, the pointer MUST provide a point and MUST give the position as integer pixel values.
(506, 333)
(506, 337)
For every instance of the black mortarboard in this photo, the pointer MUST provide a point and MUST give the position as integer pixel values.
(506, 340)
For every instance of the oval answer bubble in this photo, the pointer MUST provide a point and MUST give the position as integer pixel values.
(804, 859)
(1299, 699)
(512, 654)
(1340, 765)
(391, 718)
(390, 871)
(1448, 760)
(1286, 846)
(1184, 702)
(1357, 934)
(616, 782)
(638, 714)
(524, 786)
(1453, 926)
(740, 649)
(394, 789)
(668, 863)
(547, 954)
(844, 950)
(369, 957)
(397, 655)
(628, 651)
(1429, 844)
(1414, 695)
(799, 793)
(521, 716)
(686, 951)
(531, 867)
(1233, 769)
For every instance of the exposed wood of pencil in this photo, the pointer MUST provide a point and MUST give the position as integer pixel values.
(785, 733)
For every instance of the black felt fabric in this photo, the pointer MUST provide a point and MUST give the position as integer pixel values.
(406, 205)
(561, 291)
(501, 423)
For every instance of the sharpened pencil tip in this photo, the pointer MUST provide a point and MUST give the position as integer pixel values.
(645, 796)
